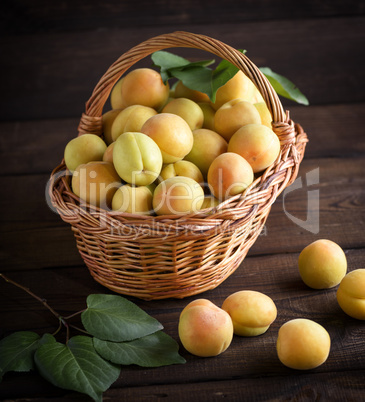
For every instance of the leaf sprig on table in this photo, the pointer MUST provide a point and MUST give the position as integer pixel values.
(117, 333)
(199, 76)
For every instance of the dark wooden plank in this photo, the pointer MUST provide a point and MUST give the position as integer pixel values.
(45, 16)
(49, 76)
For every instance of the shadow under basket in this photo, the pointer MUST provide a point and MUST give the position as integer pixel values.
(158, 257)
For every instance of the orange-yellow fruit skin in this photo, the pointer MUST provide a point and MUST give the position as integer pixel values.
(322, 264)
(351, 294)
(205, 330)
(303, 344)
(229, 174)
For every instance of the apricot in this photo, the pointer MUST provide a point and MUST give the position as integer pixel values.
(209, 202)
(322, 264)
(205, 330)
(171, 133)
(259, 145)
(265, 114)
(207, 145)
(208, 113)
(108, 154)
(107, 122)
(96, 183)
(182, 91)
(351, 294)
(131, 119)
(238, 87)
(83, 149)
(177, 195)
(116, 99)
(189, 110)
(182, 168)
(137, 158)
(251, 312)
(303, 344)
(133, 199)
(144, 86)
(228, 175)
(233, 115)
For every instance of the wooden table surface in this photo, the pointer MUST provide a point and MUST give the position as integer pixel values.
(52, 57)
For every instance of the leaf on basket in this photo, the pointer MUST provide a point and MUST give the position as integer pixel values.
(197, 75)
(114, 318)
(17, 351)
(76, 366)
(284, 87)
(154, 350)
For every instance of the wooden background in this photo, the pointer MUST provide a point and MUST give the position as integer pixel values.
(52, 55)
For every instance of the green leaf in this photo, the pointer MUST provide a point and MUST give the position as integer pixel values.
(76, 366)
(284, 87)
(17, 351)
(155, 350)
(114, 318)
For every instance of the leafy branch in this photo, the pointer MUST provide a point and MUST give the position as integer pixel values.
(118, 333)
(199, 76)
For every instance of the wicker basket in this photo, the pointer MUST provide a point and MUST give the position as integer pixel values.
(157, 257)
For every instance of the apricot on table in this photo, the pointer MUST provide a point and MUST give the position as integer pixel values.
(322, 264)
(205, 330)
(351, 294)
(137, 158)
(258, 144)
(303, 344)
(233, 115)
(171, 133)
(229, 174)
(83, 149)
(252, 312)
(189, 110)
(207, 145)
(96, 183)
(178, 195)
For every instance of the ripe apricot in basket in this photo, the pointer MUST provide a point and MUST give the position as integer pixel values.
(83, 149)
(141, 86)
(205, 329)
(182, 168)
(133, 199)
(258, 144)
(178, 195)
(171, 133)
(233, 115)
(186, 108)
(96, 183)
(238, 87)
(131, 119)
(229, 174)
(137, 158)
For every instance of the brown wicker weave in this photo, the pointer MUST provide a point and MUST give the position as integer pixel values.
(157, 257)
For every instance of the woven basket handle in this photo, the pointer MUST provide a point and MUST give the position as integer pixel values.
(91, 120)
